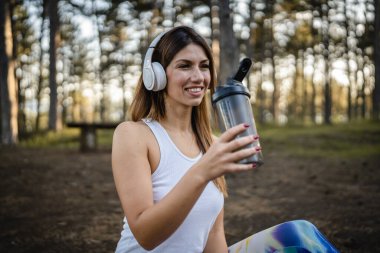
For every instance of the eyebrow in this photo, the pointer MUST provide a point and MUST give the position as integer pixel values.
(186, 60)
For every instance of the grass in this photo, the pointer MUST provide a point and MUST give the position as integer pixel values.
(354, 140)
(340, 140)
(67, 138)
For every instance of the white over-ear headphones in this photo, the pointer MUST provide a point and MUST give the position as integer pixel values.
(154, 76)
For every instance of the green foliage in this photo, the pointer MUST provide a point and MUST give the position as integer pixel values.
(105, 138)
(67, 138)
(353, 140)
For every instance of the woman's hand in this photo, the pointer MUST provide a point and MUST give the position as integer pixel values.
(224, 154)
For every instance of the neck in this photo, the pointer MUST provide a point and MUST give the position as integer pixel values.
(177, 118)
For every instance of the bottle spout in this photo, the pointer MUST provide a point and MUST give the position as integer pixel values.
(244, 67)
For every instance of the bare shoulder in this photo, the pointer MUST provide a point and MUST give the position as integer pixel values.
(130, 133)
(132, 129)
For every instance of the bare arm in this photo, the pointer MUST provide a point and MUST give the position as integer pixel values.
(216, 239)
(152, 223)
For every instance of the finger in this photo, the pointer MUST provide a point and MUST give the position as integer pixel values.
(240, 142)
(237, 167)
(244, 153)
(234, 157)
(231, 133)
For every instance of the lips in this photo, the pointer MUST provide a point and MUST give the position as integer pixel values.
(198, 89)
(195, 91)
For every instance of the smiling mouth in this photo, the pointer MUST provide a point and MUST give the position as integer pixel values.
(194, 89)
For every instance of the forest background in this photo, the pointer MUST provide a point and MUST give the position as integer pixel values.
(315, 93)
(315, 61)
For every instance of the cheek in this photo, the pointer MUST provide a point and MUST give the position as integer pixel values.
(174, 85)
(207, 78)
(176, 79)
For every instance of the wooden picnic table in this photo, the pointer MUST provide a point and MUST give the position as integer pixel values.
(88, 138)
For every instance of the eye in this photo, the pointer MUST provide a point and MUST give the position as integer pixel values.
(184, 66)
(205, 66)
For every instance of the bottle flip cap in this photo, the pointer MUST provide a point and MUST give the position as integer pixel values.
(233, 85)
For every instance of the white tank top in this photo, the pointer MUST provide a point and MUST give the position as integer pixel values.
(191, 236)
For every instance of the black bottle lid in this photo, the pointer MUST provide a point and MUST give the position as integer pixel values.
(232, 87)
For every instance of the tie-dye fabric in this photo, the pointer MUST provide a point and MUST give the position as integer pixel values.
(297, 236)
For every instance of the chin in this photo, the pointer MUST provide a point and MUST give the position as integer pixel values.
(195, 103)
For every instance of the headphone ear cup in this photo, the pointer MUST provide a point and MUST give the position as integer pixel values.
(160, 76)
(148, 78)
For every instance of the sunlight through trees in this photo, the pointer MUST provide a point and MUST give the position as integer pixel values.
(70, 60)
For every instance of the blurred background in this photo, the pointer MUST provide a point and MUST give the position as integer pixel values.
(79, 61)
(68, 70)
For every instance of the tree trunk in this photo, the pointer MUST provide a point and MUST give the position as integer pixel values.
(347, 59)
(214, 34)
(261, 96)
(124, 89)
(40, 77)
(250, 41)
(99, 69)
(304, 84)
(360, 97)
(376, 44)
(8, 88)
(229, 51)
(260, 91)
(362, 92)
(327, 88)
(54, 41)
(21, 116)
(313, 111)
(293, 106)
(275, 94)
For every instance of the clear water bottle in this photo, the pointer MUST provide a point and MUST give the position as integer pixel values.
(231, 102)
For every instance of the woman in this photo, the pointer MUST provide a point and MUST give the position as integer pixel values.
(167, 166)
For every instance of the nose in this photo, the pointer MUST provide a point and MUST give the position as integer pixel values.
(197, 75)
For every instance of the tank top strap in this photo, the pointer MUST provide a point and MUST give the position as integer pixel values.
(152, 124)
(165, 141)
(162, 139)
(158, 132)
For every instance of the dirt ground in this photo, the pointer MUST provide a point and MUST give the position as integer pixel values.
(56, 200)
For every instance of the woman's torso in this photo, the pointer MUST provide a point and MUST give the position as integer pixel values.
(169, 165)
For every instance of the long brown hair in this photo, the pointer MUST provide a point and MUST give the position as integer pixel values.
(151, 104)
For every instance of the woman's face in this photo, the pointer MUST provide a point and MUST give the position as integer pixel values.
(188, 76)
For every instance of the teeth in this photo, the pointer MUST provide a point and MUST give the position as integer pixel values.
(194, 89)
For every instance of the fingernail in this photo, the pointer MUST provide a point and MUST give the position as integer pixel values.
(256, 137)
(246, 125)
(254, 165)
(258, 148)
